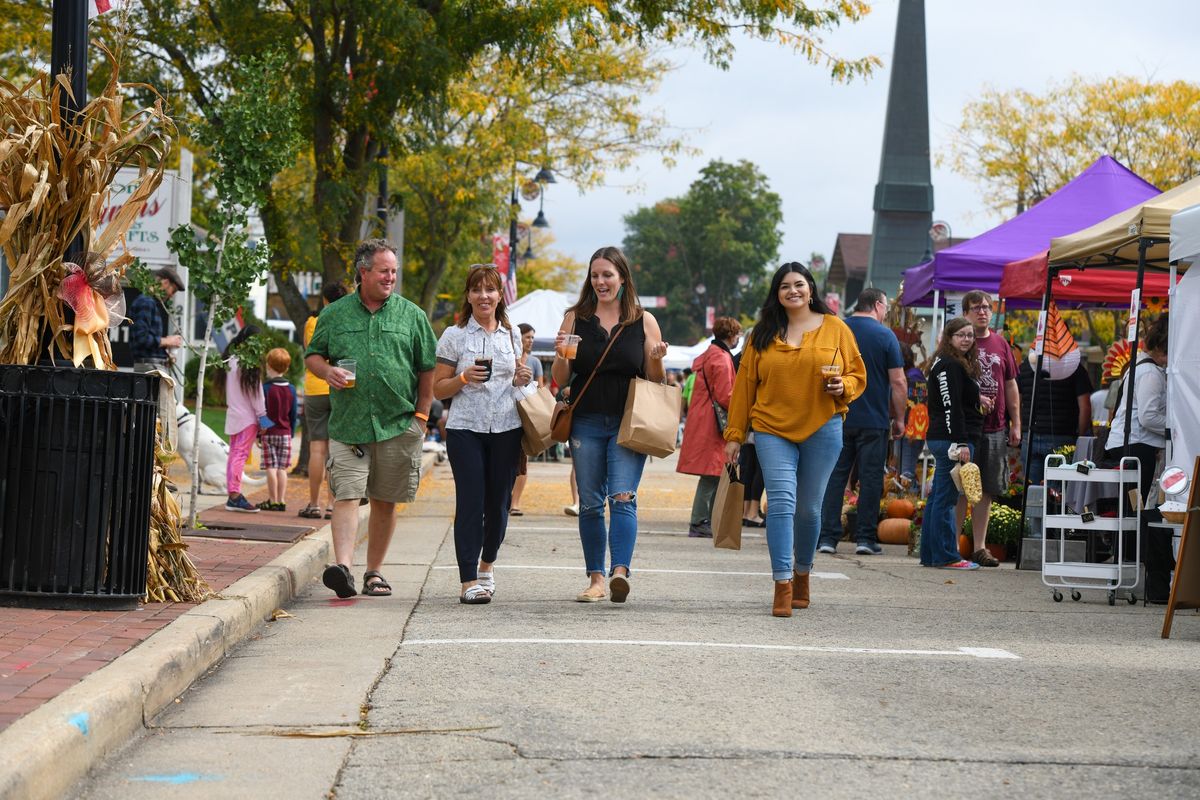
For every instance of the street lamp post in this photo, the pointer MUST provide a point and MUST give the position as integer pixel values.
(530, 190)
(68, 53)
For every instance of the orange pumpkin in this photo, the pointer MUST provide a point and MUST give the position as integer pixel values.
(966, 546)
(900, 508)
(894, 530)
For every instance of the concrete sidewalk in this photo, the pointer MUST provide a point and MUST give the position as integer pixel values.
(75, 685)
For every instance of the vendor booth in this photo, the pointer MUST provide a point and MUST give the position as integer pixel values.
(1102, 189)
(1135, 240)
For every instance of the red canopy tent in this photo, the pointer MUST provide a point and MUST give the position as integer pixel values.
(1026, 280)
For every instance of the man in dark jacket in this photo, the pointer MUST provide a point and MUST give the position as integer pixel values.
(149, 341)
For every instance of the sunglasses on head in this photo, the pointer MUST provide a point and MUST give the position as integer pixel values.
(484, 266)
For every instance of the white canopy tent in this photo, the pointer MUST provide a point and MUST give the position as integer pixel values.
(679, 357)
(543, 309)
(1183, 362)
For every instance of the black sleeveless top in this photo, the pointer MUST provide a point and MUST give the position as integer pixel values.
(608, 391)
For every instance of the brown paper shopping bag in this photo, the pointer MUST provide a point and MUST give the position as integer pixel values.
(535, 411)
(727, 510)
(651, 421)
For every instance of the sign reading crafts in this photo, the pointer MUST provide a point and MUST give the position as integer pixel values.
(147, 237)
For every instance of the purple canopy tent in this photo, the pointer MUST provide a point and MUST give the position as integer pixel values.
(1101, 190)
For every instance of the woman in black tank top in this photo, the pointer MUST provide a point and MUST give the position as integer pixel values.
(607, 313)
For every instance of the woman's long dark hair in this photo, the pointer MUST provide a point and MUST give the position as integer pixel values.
(249, 375)
(772, 317)
(946, 348)
(585, 307)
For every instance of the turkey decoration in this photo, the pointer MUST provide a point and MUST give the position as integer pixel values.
(1115, 361)
(1059, 349)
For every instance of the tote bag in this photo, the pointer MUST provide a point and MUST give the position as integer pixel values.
(535, 412)
(651, 420)
(727, 510)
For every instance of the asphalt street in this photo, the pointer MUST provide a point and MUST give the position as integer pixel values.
(899, 680)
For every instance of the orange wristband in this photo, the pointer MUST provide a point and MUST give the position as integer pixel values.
(462, 376)
(420, 416)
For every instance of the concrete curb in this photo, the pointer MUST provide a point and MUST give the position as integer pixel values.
(48, 750)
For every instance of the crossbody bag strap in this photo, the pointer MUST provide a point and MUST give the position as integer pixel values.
(596, 369)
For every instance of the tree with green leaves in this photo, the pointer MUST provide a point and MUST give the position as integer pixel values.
(362, 64)
(252, 135)
(1021, 146)
(715, 246)
(462, 149)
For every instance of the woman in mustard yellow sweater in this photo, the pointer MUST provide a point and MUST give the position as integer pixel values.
(799, 372)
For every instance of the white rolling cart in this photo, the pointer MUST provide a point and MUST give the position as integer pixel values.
(1124, 570)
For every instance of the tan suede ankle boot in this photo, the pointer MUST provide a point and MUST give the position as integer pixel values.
(799, 590)
(783, 599)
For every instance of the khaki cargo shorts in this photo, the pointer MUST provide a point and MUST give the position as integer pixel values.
(389, 470)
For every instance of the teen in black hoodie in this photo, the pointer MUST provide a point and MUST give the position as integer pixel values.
(955, 422)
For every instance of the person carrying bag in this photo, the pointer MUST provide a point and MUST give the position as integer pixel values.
(617, 342)
(703, 450)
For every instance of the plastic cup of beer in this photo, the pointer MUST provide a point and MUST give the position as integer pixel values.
(351, 366)
(570, 345)
(829, 372)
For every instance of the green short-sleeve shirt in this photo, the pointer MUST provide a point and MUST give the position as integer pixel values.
(392, 346)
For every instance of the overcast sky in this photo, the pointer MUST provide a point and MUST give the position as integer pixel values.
(819, 143)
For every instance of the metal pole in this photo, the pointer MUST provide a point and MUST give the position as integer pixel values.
(68, 53)
(512, 236)
(1127, 388)
(1028, 430)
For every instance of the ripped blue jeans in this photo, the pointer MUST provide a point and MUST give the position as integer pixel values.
(604, 469)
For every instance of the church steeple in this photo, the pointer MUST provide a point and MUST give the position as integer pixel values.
(904, 195)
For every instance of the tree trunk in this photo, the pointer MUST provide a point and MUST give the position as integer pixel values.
(193, 496)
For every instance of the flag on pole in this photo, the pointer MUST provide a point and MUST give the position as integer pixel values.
(510, 283)
(98, 7)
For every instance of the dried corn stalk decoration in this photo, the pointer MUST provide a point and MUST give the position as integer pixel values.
(170, 574)
(54, 179)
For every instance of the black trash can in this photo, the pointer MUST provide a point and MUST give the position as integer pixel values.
(75, 485)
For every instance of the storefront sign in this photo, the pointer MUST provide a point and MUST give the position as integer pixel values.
(147, 237)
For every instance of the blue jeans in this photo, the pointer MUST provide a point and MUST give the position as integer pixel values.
(1043, 444)
(795, 475)
(939, 533)
(604, 469)
(867, 446)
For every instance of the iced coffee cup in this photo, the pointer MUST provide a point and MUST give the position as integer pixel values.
(351, 366)
(829, 372)
(570, 346)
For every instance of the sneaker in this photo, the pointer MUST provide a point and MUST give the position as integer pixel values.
(868, 550)
(701, 531)
(827, 548)
(571, 511)
(240, 503)
(960, 565)
(984, 559)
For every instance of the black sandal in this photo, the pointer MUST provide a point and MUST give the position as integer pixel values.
(337, 578)
(310, 512)
(380, 587)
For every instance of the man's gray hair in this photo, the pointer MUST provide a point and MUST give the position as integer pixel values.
(368, 248)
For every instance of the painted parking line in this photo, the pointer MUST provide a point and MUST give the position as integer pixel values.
(973, 652)
(828, 576)
(575, 529)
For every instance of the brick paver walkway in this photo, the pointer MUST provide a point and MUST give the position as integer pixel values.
(44, 652)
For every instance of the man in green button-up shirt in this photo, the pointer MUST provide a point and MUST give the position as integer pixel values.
(376, 425)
